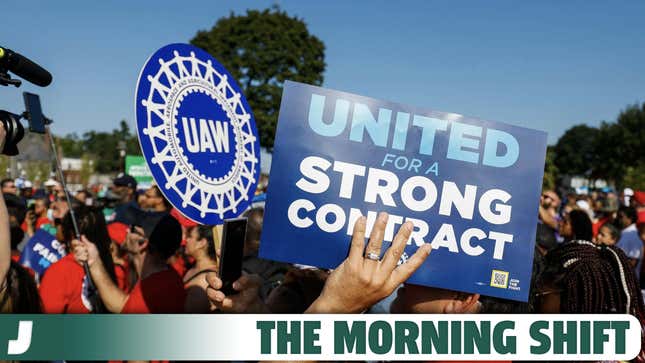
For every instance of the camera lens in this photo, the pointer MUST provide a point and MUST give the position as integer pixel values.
(15, 132)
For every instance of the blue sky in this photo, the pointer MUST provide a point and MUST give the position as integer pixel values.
(546, 65)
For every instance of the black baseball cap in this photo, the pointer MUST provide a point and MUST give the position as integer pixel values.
(125, 180)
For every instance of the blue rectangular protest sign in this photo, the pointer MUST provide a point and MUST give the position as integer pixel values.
(471, 188)
(41, 251)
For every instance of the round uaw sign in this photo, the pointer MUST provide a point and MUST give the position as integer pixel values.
(197, 134)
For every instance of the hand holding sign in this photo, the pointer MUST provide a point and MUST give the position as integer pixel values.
(359, 282)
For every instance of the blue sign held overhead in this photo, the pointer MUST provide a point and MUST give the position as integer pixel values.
(197, 133)
(470, 187)
(41, 251)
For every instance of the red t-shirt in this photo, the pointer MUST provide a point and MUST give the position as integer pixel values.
(121, 273)
(63, 288)
(160, 293)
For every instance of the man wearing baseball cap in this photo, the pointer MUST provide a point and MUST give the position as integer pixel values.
(124, 187)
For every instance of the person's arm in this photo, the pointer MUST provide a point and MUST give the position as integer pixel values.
(5, 232)
(359, 282)
(547, 218)
(113, 297)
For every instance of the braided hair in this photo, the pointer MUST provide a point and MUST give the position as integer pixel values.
(594, 279)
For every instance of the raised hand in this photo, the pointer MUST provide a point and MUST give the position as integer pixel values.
(362, 279)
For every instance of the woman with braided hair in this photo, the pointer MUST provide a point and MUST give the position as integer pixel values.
(580, 277)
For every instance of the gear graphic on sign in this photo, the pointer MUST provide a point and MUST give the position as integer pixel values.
(236, 131)
(179, 78)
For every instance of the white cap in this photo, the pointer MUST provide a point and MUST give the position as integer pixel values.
(27, 184)
(628, 192)
(583, 204)
(51, 183)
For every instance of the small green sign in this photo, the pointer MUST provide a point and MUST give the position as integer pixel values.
(136, 166)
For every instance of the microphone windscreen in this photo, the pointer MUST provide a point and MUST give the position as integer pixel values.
(32, 72)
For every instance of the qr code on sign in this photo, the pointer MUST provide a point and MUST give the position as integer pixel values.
(499, 279)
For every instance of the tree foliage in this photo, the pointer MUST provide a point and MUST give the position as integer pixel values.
(635, 176)
(102, 147)
(621, 145)
(262, 49)
(550, 170)
(574, 151)
(613, 151)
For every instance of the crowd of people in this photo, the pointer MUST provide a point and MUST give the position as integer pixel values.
(139, 255)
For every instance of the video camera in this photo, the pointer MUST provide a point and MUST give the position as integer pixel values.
(30, 71)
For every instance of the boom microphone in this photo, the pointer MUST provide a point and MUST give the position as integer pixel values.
(23, 67)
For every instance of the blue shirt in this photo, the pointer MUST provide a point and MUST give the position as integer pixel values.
(631, 244)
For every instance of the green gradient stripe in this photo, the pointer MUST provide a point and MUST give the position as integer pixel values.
(116, 337)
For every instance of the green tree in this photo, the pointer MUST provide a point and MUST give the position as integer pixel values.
(550, 170)
(575, 151)
(635, 177)
(87, 169)
(4, 166)
(620, 146)
(70, 145)
(37, 170)
(101, 147)
(262, 49)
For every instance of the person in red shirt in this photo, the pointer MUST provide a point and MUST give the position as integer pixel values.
(65, 288)
(159, 289)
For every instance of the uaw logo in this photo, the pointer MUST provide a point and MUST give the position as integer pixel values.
(197, 134)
